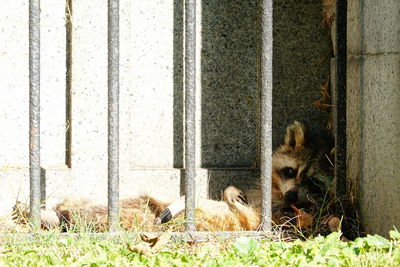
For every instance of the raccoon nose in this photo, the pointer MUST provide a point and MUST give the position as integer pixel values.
(291, 196)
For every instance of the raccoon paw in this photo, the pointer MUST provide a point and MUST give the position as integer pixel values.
(233, 195)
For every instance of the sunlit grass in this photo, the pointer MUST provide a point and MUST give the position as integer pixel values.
(50, 248)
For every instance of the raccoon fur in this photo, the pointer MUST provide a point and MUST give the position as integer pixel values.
(143, 214)
(302, 170)
(301, 176)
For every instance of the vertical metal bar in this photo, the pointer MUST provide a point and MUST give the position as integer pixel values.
(34, 111)
(113, 114)
(266, 112)
(68, 86)
(190, 107)
(341, 83)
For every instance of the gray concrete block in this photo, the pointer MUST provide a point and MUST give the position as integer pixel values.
(373, 27)
(228, 83)
(302, 54)
(374, 139)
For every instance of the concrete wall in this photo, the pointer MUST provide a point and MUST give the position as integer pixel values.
(74, 115)
(373, 111)
(14, 95)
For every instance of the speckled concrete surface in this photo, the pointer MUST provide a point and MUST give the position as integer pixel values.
(372, 108)
(374, 139)
(229, 83)
(14, 98)
(302, 52)
(373, 27)
(152, 93)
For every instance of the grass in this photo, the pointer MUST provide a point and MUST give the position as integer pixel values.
(98, 250)
(81, 248)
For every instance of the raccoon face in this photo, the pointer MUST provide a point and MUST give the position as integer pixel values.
(294, 165)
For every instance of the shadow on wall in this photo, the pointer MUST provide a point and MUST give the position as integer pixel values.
(229, 83)
(302, 53)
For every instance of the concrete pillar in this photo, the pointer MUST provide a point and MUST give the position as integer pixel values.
(373, 111)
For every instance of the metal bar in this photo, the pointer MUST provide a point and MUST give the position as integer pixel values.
(190, 107)
(341, 123)
(68, 86)
(34, 111)
(113, 114)
(266, 112)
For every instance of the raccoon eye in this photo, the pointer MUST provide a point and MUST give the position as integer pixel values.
(289, 172)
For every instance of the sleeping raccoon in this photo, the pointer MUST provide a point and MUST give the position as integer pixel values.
(301, 176)
(143, 214)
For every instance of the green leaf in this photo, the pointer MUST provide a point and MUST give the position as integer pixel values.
(377, 241)
(246, 245)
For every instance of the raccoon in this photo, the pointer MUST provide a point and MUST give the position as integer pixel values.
(233, 213)
(301, 176)
(143, 214)
(302, 170)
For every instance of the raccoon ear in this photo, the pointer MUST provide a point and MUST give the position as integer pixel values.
(295, 135)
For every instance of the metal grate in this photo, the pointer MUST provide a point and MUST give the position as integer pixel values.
(190, 106)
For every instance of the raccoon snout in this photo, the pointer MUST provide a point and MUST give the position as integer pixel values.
(291, 196)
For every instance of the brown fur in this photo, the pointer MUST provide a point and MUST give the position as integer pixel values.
(138, 214)
(300, 152)
(135, 213)
(307, 154)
